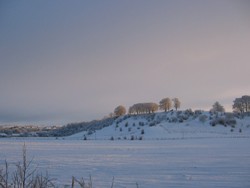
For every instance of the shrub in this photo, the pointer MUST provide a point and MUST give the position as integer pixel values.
(141, 123)
(202, 118)
(142, 131)
(198, 112)
(189, 112)
(24, 175)
(173, 120)
(152, 124)
(226, 121)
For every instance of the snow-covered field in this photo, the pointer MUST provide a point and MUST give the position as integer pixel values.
(182, 162)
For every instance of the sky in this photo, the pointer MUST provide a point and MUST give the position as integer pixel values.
(70, 61)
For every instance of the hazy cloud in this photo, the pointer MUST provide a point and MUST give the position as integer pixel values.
(63, 62)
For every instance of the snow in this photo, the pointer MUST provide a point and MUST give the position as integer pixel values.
(196, 162)
(185, 155)
(162, 129)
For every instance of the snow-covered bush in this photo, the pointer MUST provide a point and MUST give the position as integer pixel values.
(126, 124)
(151, 124)
(189, 112)
(173, 119)
(218, 121)
(223, 120)
(197, 113)
(141, 123)
(203, 118)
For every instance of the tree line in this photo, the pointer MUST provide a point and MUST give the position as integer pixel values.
(165, 104)
(240, 105)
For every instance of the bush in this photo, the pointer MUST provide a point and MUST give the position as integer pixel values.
(202, 118)
(152, 124)
(142, 131)
(226, 121)
(24, 176)
(198, 112)
(189, 112)
(141, 123)
(173, 120)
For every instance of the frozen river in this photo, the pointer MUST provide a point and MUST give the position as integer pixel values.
(183, 163)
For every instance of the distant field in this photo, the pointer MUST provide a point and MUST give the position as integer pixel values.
(206, 162)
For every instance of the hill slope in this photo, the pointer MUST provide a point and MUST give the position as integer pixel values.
(171, 125)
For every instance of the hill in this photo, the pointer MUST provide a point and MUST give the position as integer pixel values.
(169, 125)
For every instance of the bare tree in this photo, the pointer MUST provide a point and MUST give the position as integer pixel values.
(137, 108)
(4, 176)
(165, 104)
(242, 104)
(141, 108)
(120, 110)
(238, 105)
(131, 110)
(150, 107)
(246, 101)
(217, 107)
(24, 176)
(177, 103)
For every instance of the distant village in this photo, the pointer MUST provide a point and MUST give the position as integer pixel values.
(25, 130)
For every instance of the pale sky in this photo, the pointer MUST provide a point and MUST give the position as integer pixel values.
(68, 61)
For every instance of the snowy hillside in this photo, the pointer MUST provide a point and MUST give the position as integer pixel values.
(171, 125)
